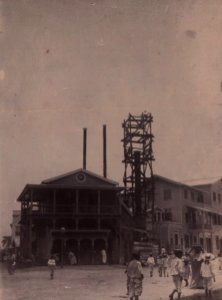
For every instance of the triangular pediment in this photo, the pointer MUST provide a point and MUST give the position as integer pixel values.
(80, 177)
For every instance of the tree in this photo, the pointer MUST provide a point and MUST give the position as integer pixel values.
(6, 241)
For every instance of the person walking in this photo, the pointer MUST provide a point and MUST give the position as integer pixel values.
(52, 265)
(151, 264)
(196, 259)
(135, 277)
(208, 275)
(187, 269)
(127, 281)
(176, 271)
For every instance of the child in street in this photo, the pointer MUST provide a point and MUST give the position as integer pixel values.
(135, 276)
(165, 265)
(52, 265)
(160, 265)
(176, 271)
(151, 264)
(207, 273)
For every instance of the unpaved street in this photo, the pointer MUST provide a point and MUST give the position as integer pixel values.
(83, 283)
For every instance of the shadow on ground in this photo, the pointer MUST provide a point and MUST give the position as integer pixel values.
(216, 295)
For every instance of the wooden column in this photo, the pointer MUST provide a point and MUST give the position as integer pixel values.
(54, 202)
(77, 201)
(54, 210)
(93, 244)
(30, 228)
(120, 242)
(78, 258)
(30, 237)
(98, 223)
(99, 202)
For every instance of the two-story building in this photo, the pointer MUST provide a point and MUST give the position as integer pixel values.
(78, 211)
(186, 215)
(214, 191)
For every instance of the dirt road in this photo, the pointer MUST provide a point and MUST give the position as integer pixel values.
(83, 283)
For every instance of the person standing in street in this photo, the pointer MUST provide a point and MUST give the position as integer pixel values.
(151, 264)
(187, 269)
(135, 276)
(176, 271)
(51, 265)
(104, 256)
(72, 258)
(220, 260)
(165, 264)
(207, 273)
(11, 263)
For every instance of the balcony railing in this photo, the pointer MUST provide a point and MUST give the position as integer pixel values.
(199, 226)
(66, 210)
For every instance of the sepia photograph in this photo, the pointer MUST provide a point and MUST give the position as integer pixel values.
(110, 149)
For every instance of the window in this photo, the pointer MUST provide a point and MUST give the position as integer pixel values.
(219, 198)
(176, 239)
(185, 194)
(194, 220)
(200, 198)
(168, 214)
(217, 242)
(214, 219)
(192, 196)
(195, 239)
(187, 241)
(187, 218)
(167, 194)
(214, 196)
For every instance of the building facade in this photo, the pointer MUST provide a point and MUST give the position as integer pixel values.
(80, 212)
(188, 215)
(15, 228)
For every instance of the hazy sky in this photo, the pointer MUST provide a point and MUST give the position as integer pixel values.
(65, 65)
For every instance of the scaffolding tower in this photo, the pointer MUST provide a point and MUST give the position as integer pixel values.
(138, 157)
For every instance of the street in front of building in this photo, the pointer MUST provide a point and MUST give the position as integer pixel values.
(90, 282)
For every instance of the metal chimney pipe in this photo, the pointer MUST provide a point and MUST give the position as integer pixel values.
(104, 152)
(84, 147)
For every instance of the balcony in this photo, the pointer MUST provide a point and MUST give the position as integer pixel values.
(71, 210)
(199, 226)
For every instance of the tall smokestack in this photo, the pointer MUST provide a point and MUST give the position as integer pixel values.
(104, 152)
(84, 147)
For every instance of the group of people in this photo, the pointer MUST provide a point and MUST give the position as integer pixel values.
(53, 260)
(176, 265)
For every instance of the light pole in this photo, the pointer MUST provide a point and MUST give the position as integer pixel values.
(62, 230)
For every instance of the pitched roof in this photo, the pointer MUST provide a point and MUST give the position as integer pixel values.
(203, 181)
(171, 181)
(181, 184)
(87, 172)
